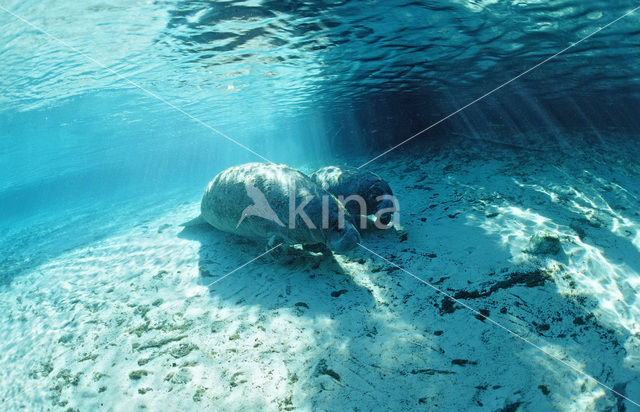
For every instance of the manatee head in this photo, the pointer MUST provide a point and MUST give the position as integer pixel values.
(385, 208)
(379, 198)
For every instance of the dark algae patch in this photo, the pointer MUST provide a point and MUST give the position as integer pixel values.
(447, 305)
(512, 407)
(237, 379)
(138, 374)
(151, 344)
(322, 369)
(431, 372)
(337, 293)
(463, 362)
(182, 350)
(528, 279)
(542, 326)
(484, 313)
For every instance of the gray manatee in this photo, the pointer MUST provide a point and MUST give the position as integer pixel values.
(349, 181)
(274, 202)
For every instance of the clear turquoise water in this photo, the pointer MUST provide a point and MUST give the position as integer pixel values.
(297, 82)
(315, 78)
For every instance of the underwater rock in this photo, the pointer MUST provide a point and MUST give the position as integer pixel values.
(544, 243)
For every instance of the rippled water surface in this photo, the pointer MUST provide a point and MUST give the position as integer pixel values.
(269, 73)
(288, 56)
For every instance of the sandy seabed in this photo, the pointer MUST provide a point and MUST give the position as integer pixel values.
(130, 322)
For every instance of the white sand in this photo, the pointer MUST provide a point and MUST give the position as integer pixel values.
(128, 322)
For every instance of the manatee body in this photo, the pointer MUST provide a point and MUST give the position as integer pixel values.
(265, 201)
(349, 181)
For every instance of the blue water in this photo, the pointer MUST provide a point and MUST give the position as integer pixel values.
(113, 112)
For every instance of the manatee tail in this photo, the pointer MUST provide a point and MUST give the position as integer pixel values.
(195, 222)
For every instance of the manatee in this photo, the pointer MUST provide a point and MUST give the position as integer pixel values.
(349, 181)
(276, 203)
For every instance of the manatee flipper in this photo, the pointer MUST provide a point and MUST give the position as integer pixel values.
(197, 221)
(318, 248)
(278, 251)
